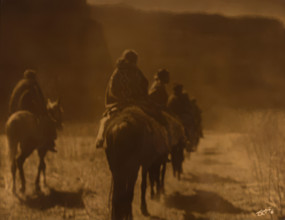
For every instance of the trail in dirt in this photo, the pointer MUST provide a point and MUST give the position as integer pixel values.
(214, 184)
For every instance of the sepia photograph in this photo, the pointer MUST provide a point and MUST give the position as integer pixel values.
(142, 109)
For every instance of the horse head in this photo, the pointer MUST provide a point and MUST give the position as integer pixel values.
(55, 112)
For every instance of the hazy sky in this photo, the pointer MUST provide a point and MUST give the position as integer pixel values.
(269, 8)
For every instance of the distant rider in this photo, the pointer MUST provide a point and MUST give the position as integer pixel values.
(27, 95)
(158, 93)
(188, 112)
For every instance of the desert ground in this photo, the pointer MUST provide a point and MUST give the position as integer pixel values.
(217, 182)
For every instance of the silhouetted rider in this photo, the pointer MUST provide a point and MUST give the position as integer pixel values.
(179, 102)
(188, 112)
(157, 93)
(127, 84)
(27, 95)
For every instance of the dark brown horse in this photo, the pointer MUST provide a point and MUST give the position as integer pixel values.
(134, 139)
(157, 172)
(24, 129)
(177, 158)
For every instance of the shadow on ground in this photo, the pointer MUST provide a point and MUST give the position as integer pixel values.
(211, 151)
(209, 161)
(208, 178)
(55, 198)
(200, 202)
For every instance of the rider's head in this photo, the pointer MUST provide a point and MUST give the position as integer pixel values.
(162, 75)
(30, 74)
(178, 88)
(130, 56)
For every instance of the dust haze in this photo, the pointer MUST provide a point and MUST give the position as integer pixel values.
(230, 57)
(264, 8)
(224, 62)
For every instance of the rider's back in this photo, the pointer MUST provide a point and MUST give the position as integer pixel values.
(126, 85)
(27, 95)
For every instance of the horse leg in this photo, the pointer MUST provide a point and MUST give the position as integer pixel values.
(13, 151)
(162, 190)
(25, 152)
(180, 162)
(143, 190)
(173, 163)
(44, 172)
(157, 179)
(130, 191)
(42, 167)
(13, 170)
(20, 162)
(151, 178)
(42, 155)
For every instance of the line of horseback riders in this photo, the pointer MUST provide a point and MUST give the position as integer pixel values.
(127, 86)
(139, 128)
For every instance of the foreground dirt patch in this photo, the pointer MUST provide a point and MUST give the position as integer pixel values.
(216, 184)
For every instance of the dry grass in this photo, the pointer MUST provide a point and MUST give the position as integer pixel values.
(266, 151)
(215, 183)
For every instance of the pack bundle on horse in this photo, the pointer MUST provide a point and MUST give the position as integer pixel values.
(32, 133)
(134, 139)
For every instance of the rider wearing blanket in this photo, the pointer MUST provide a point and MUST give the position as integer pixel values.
(128, 87)
(27, 95)
(157, 93)
(189, 114)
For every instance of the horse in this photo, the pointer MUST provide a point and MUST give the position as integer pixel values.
(25, 129)
(133, 140)
(156, 174)
(157, 170)
(177, 158)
